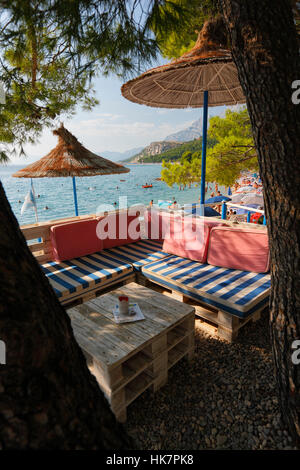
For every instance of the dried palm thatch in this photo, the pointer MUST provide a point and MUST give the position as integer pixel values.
(181, 83)
(70, 158)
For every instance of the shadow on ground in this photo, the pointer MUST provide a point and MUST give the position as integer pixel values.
(224, 399)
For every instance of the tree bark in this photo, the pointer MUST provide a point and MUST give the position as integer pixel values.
(265, 50)
(48, 398)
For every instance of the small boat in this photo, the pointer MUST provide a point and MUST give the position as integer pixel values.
(147, 186)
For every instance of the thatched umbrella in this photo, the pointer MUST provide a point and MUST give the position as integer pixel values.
(70, 158)
(205, 74)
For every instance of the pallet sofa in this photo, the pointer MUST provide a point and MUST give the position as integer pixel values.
(221, 269)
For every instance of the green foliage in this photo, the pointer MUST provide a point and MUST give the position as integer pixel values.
(51, 50)
(191, 17)
(233, 152)
(176, 153)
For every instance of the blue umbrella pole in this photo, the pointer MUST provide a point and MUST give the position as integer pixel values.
(204, 144)
(75, 195)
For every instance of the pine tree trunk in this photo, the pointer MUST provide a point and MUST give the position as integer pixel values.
(265, 50)
(48, 398)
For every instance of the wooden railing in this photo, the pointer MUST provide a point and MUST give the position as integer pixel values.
(38, 235)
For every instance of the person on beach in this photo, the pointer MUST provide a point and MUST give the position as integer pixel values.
(151, 203)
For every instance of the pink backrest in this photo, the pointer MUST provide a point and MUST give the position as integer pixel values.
(188, 237)
(116, 229)
(155, 224)
(74, 239)
(84, 237)
(245, 249)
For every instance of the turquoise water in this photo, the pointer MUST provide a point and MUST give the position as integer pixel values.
(57, 193)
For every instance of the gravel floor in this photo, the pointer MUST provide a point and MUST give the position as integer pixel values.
(224, 399)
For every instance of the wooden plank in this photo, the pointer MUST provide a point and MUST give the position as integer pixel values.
(137, 387)
(129, 358)
(89, 338)
(37, 246)
(156, 319)
(110, 331)
(156, 298)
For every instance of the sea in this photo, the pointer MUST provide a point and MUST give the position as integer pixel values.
(94, 194)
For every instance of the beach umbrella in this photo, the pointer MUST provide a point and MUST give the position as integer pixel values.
(245, 189)
(211, 200)
(253, 199)
(237, 197)
(206, 75)
(70, 158)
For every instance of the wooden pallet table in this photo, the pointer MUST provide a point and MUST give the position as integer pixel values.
(129, 358)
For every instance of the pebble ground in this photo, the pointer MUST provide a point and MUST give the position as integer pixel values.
(224, 399)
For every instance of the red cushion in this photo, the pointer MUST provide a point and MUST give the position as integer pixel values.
(118, 229)
(239, 248)
(188, 237)
(74, 239)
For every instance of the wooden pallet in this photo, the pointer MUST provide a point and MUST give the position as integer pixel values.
(227, 325)
(129, 358)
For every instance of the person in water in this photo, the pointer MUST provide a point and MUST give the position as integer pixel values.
(46, 208)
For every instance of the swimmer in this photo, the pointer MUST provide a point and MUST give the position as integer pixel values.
(46, 208)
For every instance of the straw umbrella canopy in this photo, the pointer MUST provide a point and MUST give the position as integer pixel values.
(204, 75)
(70, 158)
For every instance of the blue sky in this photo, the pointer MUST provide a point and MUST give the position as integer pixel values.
(117, 124)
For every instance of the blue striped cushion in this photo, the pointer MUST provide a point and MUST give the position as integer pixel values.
(138, 254)
(77, 276)
(238, 292)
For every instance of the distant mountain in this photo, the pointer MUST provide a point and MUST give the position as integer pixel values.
(120, 156)
(190, 133)
(155, 148)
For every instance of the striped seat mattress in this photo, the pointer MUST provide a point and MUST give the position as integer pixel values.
(72, 279)
(138, 254)
(237, 292)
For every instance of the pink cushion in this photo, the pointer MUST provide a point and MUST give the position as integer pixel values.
(239, 248)
(188, 237)
(155, 224)
(74, 239)
(118, 229)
